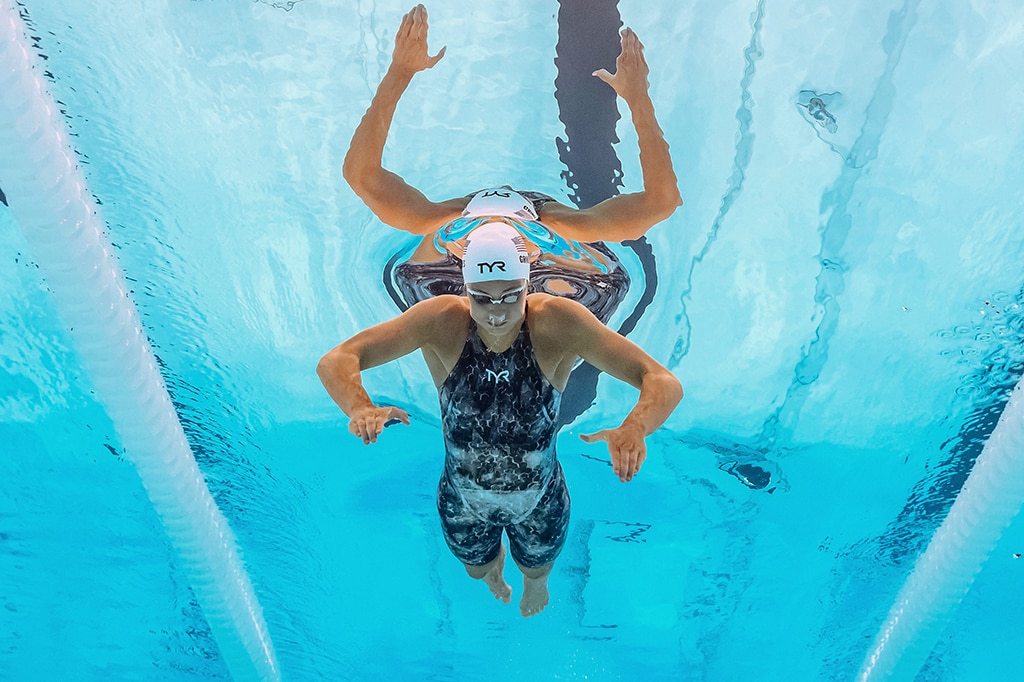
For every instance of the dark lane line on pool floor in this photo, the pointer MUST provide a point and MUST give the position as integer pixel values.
(588, 39)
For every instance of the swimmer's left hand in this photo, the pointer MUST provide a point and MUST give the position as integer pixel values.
(630, 78)
(368, 423)
(626, 446)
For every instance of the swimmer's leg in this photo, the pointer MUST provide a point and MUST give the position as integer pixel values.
(536, 541)
(493, 575)
(535, 589)
(475, 543)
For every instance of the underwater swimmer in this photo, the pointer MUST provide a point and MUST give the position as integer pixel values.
(500, 358)
(547, 226)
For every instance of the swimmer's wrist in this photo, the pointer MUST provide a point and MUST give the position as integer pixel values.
(398, 77)
(633, 422)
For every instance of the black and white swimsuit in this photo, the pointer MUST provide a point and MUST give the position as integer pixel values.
(499, 416)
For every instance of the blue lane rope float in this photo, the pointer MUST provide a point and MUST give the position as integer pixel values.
(990, 499)
(49, 199)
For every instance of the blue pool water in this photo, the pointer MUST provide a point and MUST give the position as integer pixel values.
(840, 296)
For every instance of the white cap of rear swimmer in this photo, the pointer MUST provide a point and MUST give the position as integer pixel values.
(500, 201)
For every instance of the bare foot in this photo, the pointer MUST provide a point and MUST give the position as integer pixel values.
(535, 596)
(495, 579)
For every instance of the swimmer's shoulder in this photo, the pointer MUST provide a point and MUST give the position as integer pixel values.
(560, 330)
(441, 317)
(455, 206)
(556, 315)
(547, 304)
(553, 210)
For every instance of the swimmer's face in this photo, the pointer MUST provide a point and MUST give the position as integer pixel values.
(497, 305)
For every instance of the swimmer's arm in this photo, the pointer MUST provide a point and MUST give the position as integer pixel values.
(391, 198)
(627, 216)
(340, 369)
(612, 353)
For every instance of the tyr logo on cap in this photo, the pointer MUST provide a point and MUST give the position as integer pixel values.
(500, 264)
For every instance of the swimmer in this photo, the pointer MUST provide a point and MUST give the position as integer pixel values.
(433, 267)
(500, 358)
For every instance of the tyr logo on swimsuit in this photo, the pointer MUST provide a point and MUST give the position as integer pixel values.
(500, 264)
(498, 376)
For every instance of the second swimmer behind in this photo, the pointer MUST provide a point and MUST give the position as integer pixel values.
(590, 274)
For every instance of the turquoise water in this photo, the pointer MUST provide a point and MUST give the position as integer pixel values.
(842, 307)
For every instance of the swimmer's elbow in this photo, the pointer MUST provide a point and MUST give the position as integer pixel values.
(330, 364)
(666, 203)
(677, 201)
(675, 389)
(353, 171)
(656, 208)
(324, 367)
(668, 385)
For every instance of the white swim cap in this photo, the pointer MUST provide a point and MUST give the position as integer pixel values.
(495, 251)
(500, 201)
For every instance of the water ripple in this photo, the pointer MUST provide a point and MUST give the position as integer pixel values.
(744, 152)
(830, 282)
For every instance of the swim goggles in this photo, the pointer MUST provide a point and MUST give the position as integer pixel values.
(508, 299)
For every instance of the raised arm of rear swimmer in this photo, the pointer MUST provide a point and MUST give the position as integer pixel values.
(627, 216)
(391, 199)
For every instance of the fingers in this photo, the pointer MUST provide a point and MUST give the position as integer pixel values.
(367, 428)
(420, 29)
(631, 41)
(419, 19)
(632, 50)
(431, 61)
(399, 414)
(369, 424)
(627, 453)
(413, 26)
(410, 53)
(405, 28)
(626, 461)
(629, 65)
(594, 437)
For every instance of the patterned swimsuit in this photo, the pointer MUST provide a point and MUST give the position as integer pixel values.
(500, 417)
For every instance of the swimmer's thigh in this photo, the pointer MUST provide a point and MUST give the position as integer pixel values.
(472, 541)
(539, 538)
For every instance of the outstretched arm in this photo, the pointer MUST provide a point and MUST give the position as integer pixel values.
(627, 216)
(390, 197)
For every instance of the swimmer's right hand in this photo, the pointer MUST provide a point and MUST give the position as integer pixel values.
(410, 53)
(368, 422)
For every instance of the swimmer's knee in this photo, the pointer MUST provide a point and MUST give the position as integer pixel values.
(477, 572)
(536, 572)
